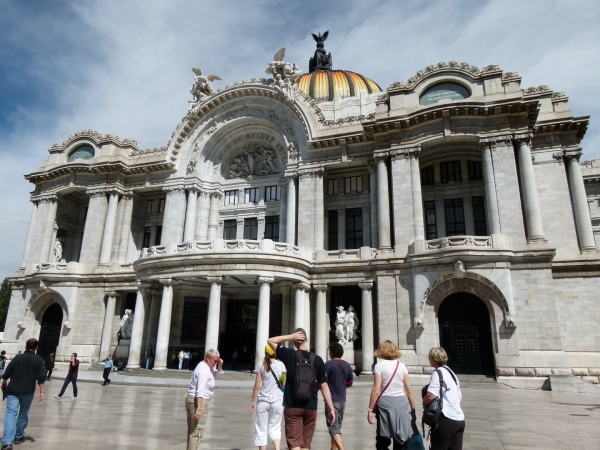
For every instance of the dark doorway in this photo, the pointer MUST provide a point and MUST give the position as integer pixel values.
(465, 334)
(345, 296)
(50, 332)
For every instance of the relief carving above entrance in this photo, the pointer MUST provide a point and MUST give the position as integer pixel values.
(254, 160)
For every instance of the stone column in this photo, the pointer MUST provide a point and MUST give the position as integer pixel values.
(214, 311)
(583, 223)
(307, 314)
(190, 215)
(300, 310)
(125, 238)
(107, 329)
(30, 236)
(366, 226)
(440, 218)
(174, 216)
(491, 197)
(321, 329)
(94, 224)
(161, 353)
(153, 320)
(368, 346)
(48, 231)
(109, 228)
(319, 211)
(213, 218)
(469, 216)
(533, 216)
(239, 228)
(137, 330)
(374, 210)
(417, 198)
(341, 229)
(283, 212)
(383, 202)
(290, 224)
(203, 207)
(262, 324)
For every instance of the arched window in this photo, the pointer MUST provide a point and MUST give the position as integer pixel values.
(85, 151)
(443, 91)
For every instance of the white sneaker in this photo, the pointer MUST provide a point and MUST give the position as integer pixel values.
(57, 397)
(74, 397)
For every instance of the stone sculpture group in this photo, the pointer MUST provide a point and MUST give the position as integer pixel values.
(346, 325)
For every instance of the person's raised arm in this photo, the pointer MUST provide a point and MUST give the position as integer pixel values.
(327, 399)
(275, 341)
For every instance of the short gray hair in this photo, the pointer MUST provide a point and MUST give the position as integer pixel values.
(212, 353)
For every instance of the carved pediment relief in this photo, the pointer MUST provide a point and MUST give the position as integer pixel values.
(254, 160)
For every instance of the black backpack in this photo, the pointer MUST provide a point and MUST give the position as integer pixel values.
(305, 378)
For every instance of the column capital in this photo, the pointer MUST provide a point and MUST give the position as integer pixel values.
(216, 279)
(366, 285)
(311, 172)
(492, 141)
(265, 280)
(405, 151)
(174, 188)
(193, 189)
(216, 194)
(166, 281)
(95, 192)
(381, 156)
(110, 293)
(523, 138)
(141, 285)
(45, 198)
(290, 176)
(302, 286)
(320, 287)
(572, 154)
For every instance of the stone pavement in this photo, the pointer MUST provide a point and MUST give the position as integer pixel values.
(138, 417)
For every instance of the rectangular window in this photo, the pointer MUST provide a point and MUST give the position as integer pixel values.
(479, 216)
(333, 187)
(147, 233)
(193, 323)
(272, 228)
(231, 197)
(252, 195)
(251, 228)
(455, 217)
(149, 206)
(161, 205)
(427, 178)
(474, 170)
(450, 171)
(272, 194)
(353, 184)
(230, 229)
(430, 225)
(354, 228)
(333, 230)
(158, 235)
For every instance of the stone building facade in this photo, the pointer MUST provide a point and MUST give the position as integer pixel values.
(450, 209)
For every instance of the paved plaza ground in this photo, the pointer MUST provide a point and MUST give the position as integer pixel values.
(137, 417)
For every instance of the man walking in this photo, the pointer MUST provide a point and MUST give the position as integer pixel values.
(108, 367)
(149, 357)
(305, 370)
(71, 377)
(49, 362)
(22, 371)
(339, 377)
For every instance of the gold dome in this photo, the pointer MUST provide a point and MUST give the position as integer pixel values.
(323, 85)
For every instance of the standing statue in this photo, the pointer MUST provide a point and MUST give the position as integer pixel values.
(202, 87)
(57, 251)
(340, 329)
(126, 325)
(351, 324)
(321, 60)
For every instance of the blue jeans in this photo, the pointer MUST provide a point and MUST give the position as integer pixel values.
(15, 419)
(149, 363)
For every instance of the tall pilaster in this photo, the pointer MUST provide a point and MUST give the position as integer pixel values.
(214, 311)
(109, 228)
(374, 210)
(383, 202)
(202, 216)
(533, 216)
(262, 325)
(174, 216)
(137, 330)
(341, 229)
(153, 316)
(300, 310)
(107, 329)
(491, 197)
(290, 223)
(319, 222)
(307, 314)
(321, 321)
(48, 231)
(164, 326)
(30, 235)
(581, 212)
(283, 212)
(189, 232)
(417, 198)
(125, 238)
(368, 345)
(213, 217)
(366, 224)
(94, 225)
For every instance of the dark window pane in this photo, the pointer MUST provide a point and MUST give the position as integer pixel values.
(147, 233)
(230, 229)
(427, 178)
(479, 216)
(354, 228)
(272, 228)
(430, 223)
(251, 228)
(158, 235)
(333, 230)
(450, 171)
(455, 217)
(474, 170)
(193, 326)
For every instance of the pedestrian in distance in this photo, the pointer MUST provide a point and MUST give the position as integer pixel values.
(108, 367)
(180, 358)
(199, 394)
(186, 360)
(339, 377)
(449, 431)
(305, 373)
(149, 357)
(394, 404)
(2, 362)
(267, 397)
(49, 362)
(71, 377)
(23, 371)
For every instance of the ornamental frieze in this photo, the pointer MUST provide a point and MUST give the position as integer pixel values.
(254, 160)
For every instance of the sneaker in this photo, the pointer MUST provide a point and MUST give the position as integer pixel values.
(74, 397)
(7, 447)
(57, 397)
(19, 440)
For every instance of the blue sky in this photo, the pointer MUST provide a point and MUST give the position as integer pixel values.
(124, 68)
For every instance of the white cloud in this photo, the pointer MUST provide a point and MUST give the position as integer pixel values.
(124, 67)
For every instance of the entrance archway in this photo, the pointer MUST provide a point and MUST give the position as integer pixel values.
(465, 334)
(50, 331)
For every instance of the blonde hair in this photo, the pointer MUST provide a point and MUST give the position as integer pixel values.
(387, 350)
(212, 353)
(439, 355)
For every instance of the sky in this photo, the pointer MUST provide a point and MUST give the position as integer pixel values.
(124, 68)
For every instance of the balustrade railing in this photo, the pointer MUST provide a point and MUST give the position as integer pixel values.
(459, 241)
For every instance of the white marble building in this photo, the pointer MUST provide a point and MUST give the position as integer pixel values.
(448, 209)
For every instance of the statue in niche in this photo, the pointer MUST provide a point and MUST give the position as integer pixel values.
(57, 251)
(126, 325)
(321, 60)
(351, 324)
(340, 330)
(253, 160)
(202, 87)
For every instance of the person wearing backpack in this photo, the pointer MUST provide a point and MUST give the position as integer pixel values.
(339, 377)
(448, 433)
(305, 375)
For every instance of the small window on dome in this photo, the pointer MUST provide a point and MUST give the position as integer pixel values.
(443, 91)
(82, 152)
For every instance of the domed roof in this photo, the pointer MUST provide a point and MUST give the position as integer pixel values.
(323, 85)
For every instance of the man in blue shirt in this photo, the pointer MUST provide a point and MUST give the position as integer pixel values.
(339, 377)
(108, 367)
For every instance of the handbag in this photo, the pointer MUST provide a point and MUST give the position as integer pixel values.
(281, 387)
(348, 382)
(386, 386)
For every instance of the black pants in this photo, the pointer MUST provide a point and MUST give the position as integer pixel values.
(448, 434)
(48, 373)
(69, 379)
(105, 376)
(383, 443)
(186, 364)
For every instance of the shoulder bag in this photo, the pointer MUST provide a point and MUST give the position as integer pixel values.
(386, 386)
(433, 411)
(348, 382)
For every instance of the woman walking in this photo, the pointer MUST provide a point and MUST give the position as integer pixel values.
(392, 400)
(448, 434)
(268, 390)
(108, 367)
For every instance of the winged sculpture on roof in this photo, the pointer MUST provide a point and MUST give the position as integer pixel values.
(202, 87)
(282, 70)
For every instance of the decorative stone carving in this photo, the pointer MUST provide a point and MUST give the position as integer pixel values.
(509, 75)
(536, 90)
(283, 69)
(202, 88)
(321, 59)
(346, 325)
(292, 151)
(57, 250)
(191, 165)
(126, 325)
(97, 138)
(254, 160)
(459, 267)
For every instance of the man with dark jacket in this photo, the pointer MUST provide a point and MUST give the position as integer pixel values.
(49, 361)
(22, 371)
(71, 377)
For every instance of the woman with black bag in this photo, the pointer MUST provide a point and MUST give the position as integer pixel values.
(447, 434)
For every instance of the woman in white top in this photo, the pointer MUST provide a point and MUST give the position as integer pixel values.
(392, 400)
(450, 429)
(268, 390)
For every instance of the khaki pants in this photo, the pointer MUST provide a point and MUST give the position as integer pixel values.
(195, 429)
